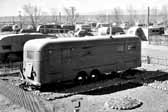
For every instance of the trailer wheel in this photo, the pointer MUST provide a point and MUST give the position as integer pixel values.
(81, 77)
(95, 75)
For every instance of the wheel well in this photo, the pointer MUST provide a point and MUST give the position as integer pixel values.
(95, 71)
(81, 73)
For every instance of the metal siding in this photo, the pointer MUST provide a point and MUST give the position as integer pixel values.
(90, 55)
(62, 61)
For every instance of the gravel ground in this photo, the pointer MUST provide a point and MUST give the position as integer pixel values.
(154, 98)
(7, 106)
(153, 101)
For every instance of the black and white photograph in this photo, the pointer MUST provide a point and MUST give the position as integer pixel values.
(83, 56)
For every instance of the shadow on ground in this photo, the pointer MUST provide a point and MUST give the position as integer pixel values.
(128, 80)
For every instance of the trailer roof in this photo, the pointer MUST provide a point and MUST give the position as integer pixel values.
(2, 35)
(37, 44)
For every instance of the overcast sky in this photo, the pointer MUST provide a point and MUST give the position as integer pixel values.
(12, 7)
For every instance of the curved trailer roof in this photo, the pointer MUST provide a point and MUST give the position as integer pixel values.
(37, 44)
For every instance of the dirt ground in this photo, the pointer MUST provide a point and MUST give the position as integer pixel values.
(7, 106)
(154, 50)
(153, 100)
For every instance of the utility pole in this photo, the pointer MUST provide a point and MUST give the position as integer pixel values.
(73, 15)
(107, 17)
(13, 20)
(60, 17)
(148, 22)
(20, 19)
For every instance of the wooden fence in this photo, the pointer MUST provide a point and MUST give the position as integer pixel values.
(10, 68)
(163, 61)
(158, 40)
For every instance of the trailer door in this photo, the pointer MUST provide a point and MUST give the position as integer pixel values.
(54, 67)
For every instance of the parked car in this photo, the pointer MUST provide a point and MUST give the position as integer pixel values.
(86, 27)
(68, 27)
(27, 31)
(114, 31)
(82, 33)
(49, 28)
(6, 28)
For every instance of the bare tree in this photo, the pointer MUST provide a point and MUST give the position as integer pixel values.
(131, 15)
(33, 12)
(164, 14)
(117, 12)
(67, 11)
(54, 15)
(154, 13)
(71, 15)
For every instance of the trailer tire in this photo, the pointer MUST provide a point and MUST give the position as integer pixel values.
(95, 75)
(81, 78)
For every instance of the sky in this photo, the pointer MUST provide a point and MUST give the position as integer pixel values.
(12, 7)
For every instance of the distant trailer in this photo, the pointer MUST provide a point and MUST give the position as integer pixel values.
(156, 31)
(78, 59)
(51, 28)
(11, 45)
(138, 31)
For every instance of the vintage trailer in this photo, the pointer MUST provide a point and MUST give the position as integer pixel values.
(11, 45)
(65, 59)
(138, 31)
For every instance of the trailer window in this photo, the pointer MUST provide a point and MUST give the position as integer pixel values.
(131, 47)
(120, 48)
(6, 47)
(66, 52)
(30, 55)
(66, 55)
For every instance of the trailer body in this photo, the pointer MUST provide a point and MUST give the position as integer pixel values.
(62, 59)
(11, 45)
